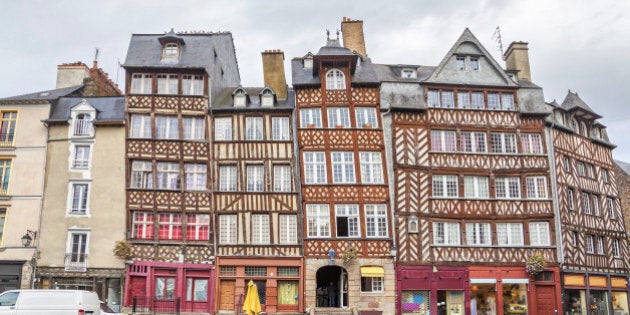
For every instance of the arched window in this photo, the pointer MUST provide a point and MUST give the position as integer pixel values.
(335, 80)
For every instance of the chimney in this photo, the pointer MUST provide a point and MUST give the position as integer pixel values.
(517, 59)
(71, 74)
(352, 31)
(273, 71)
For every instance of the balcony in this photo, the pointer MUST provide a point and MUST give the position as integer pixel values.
(76, 262)
(82, 128)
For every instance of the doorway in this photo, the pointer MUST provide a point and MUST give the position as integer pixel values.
(332, 287)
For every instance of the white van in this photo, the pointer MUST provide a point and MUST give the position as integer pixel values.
(49, 302)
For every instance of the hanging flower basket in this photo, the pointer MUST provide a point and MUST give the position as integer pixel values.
(535, 264)
(349, 255)
(122, 250)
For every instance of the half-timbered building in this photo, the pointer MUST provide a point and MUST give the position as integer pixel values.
(345, 196)
(171, 80)
(471, 184)
(595, 247)
(256, 194)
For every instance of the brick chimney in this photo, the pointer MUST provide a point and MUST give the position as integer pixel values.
(71, 74)
(273, 70)
(353, 39)
(517, 59)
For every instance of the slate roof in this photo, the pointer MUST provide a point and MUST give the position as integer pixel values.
(49, 95)
(365, 73)
(108, 109)
(573, 102)
(225, 101)
(625, 167)
(334, 48)
(565, 125)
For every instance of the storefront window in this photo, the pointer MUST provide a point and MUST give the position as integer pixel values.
(620, 303)
(514, 298)
(288, 292)
(575, 302)
(416, 302)
(196, 289)
(483, 300)
(450, 303)
(164, 288)
(599, 302)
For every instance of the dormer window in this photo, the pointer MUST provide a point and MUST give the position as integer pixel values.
(239, 99)
(408, 74)
(474, 63)
(461, 63)
(171, 51)
(335, 80)
(266, 100)
(308, 63)
(82, 125)
(584, 129)
(595, 133)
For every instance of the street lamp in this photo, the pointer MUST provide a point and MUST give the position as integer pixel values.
(28, 238)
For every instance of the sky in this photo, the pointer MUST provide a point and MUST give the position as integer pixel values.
(574, 45)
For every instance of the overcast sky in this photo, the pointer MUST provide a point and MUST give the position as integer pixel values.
(574, 44)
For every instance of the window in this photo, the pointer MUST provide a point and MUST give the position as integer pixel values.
(318, 220)
(531, 143)
(376, 220)
(539, 234)
(586, 203)
(308, 63)
(170, 51)
(335, 80)
(477, 100)
(474, 63)
(260, 229)
(338, 116)
(600, 245)
(448, 100)
(194, 128)
(82, 125)
(79, 198)
(310, 117)
(223, 129)
(141, 174)
(445, 186)
(282, 178)
(197, 227)
(343, 167)
(478, 234)
(227, 178)
(280, 128)
(461, 63)
(288, 229)
(463, 99)
(141, 83)
(372, 284)
(476, 187)
(604, 175)
(227, 226)
(142, 225)
(167, 84)
(196, 290)
(567, 164)
(170, 226)
(610, 205)
(195, 176)
(616, 248)
(347, 218)
(433, 98)
(253, 128)
(493, 101)
(590, 170)
(536, 187)
(581, 168)
(446, 233)
(590, 247)
(192, 85)
(77, 251)
(596, 206)
(510, 234)
(240, 99)
(583, 129)
(571, 198)
(164, 287)
(140, 126)
(366, 116)
(255, 178)
(3, 218)
(574, 236)
(5, 174)
(408, 74)
(443, 141)
(7, 128)
(503, 142)
(314, 168)
(166, 127)
(168, 175)
(81, 157)
(473, 142)
(508, 187)
(371, 167)
(266, 100)
(507, 101)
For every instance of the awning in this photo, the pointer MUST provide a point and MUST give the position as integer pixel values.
(483, 280)
(506, 280)
(377, 272)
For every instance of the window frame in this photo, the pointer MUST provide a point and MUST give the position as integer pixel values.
(371, 166)
(473, 142)
(335, 79)
(261, 231)
(366, 116)
(478, 234)
(539, 234)
(223, 129)
(446, 230)
(536, 187)
(197, 230)
(503, 143)
(282, 178)
(145, 176)
(376, 284)
(343, 167)
(142, 80)
(589, 242)
(194, 128)
(194, 174)
(228, 178)
(254, 129)
(318, 221)
(287, 229)
(506, 182)
(144, 225)
(255, 174)
(446, 183)
(352, 216)
(315, 170)
(310, 116)
(281, 130)
(376, 225)
(475, 186)
(83, 210)
(531, 143)
(443, 140)
(228, 229)
(170, 226)
(509, 240)
(338, 116)
(167, 174)
(164, 128)
(616, 248)
(140, 126)
(165, 84)
(84, 162)
(192, 84)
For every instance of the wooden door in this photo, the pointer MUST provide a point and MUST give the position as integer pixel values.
(226, 295)
(545, 300)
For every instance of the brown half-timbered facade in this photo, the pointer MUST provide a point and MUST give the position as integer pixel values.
(345, 196)
(472, 191)
(256, 195)
(595, 248)
(171, 80)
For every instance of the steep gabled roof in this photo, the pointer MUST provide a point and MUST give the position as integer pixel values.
(625, 167)
(468, 44)
(108, 109)
(573, 103)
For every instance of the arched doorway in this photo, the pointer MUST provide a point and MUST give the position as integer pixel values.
(332, 287)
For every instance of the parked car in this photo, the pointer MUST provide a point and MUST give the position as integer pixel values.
(49, 302)
(106, 310)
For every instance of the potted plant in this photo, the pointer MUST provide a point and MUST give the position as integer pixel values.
(122, 250)
(367, 126)
(535, 264)
(349, 255)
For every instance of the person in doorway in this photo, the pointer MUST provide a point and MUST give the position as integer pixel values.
(332, 294)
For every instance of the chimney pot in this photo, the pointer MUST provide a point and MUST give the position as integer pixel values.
(273, 72)
(517, 59)
(353, 38)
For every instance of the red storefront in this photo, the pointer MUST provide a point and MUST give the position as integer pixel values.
(425, 290)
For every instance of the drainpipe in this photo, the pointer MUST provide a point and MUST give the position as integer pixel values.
(41, 206)
(554, 188)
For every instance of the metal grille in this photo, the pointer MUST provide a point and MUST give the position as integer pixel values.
(256, 271)
(227, 271)
(288, 271)
(415, 302)
(86, 284)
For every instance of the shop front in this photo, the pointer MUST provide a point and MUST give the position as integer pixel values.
(425, 290)
(595, 294)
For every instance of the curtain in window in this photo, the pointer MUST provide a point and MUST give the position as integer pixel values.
(287, 292)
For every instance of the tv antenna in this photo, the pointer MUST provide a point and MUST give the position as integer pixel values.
(96, 51)
(497, 37)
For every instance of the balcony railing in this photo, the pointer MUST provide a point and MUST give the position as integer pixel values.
(82, 128)
(6, 139)
(76, 262)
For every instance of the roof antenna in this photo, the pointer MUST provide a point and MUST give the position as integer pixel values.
(497, 37)
(337, 34)
(95, 53)
(327, 34)
(118, 71)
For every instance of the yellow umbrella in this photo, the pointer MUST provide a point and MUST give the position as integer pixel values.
(252, 301)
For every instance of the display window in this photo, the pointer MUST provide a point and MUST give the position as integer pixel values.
(599, 302)
(514, 298)
(575, 302)
(483, 299)
(620, 303)
(450, 303)
(416, 302)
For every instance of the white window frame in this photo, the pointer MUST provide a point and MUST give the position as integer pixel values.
(536, 187)
(81, 156)
(141, 174)
(600, 245)
(463, 99)
(596, 209)
(318, 220)
(371, 167)
(168, 173)
(260, 229)
(408, 74)
(310, 116)
(585, 198)
(255, 177)
(513, 234)
(166, 127)
(474, 63)
(196, 176)
(507, 101)
(192, 84)
(590, 243)
(266, 100)
(240, 99)
(376, 284)
(616, 247)
(571, 198)
(445, 186)
(581, 168)
(508, 187)
(477, 100)
(375, 220)
(173, 222)
(478, 234)
(167, 84)
(288, 229)
(280, 129)
(531, 143)
(228, 229)
(447, 98)
(194, 128)
(493, 100)
(460, 62)
(141, 83)
(200, 221)
(433, 98)
(343, 167)
(353, 221)
(171, 51)
(605, 177)
(81, 254)
(223, 128)
(366, 116)
(610, 204)
(228, 178)
(282, 178)
(315, 168)
(503, 143)
(147, 221)
(567, 164)
(476, 187)
(539, 234)
(474, 142)
(254, 129)
(443, 140)
(450, 233)
(140, 126)
(338, 116)
(83, 195)
(335, 80)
